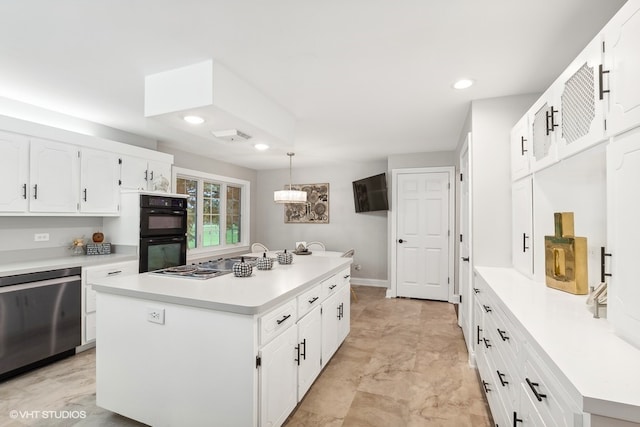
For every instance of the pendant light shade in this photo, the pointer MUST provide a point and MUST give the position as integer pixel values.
(290, 196)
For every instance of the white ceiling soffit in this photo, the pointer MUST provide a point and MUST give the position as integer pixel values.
(228, 104)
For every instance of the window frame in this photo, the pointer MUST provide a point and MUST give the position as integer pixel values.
(245, 211)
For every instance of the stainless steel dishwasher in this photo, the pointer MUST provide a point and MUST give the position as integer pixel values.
(40, 318)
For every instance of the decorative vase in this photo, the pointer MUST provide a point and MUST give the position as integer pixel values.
(242, 269)
(566, 257)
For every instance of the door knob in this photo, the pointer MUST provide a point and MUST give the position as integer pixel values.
(465, 258)
(400, 241)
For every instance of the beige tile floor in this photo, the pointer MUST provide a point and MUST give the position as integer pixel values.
(403, 364)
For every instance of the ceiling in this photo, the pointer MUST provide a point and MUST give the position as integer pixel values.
(363, 78)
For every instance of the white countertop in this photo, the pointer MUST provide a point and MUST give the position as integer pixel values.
(602, 367)
(31, 266)
(256, 294)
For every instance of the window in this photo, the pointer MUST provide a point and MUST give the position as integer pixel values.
(216, 216)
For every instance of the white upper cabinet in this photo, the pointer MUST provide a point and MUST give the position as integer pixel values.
(14, 163)
(139, 174)
(623, 234)
(53, 177)
(522, 243)
(622, 68)
(582, 121)
(99, 176)
(544, 123)
(520, 148)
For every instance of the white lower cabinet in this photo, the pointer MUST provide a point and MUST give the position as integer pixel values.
(89, 276)
(520, 387)
(278, 379)
(298, 339)
(309, 350)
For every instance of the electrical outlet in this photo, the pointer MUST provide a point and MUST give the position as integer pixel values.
(155, 315)
(357, 267)
(41, 237)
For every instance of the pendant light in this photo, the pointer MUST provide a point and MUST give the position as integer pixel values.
(290, 196)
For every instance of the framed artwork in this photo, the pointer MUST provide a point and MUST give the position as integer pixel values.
(315, 211)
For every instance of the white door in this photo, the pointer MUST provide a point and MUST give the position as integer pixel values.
(422, 256)
(464, 247)
(623, 234)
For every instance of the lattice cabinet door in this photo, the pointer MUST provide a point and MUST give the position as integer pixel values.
(544, 125)
(581, 87)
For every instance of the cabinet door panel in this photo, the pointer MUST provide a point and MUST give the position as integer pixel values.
(278, 378)
(133, 173)
(14, 163)
(309, 342)
(522, 244)
(623, 63)
(329, 327)
(53, 177)
(99, 173)
(520, 149)
(581, 107)
(344, 319)
(623, 234)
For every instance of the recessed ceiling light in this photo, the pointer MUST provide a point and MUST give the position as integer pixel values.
(463, 84)
(261, 147)
(194, 120)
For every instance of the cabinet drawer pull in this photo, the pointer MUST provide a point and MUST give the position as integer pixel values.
(503, 335)
(476, 290)
(486, 308)
(535, 391)
(486, 386)
(332, 287)
(551, 123)
(35, 192)
(24, 191)
(113, 273)
(297, 359)
(516, 420)
(501, 377)
(84, 192)
(486, 342)
(478, 334)
(303, 353)
(347, 276)
(314, 299)
(279, 321)
(522, 141)
(524, 242)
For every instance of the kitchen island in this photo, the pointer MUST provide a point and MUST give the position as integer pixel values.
(224, 351)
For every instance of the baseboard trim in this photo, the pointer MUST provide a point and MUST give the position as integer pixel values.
(369, 282)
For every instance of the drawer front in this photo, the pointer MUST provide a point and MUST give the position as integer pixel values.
(308, 300)
(548, 397)
(277, 321)
(345, 276)
(330, 286)
(89, 299)
(109, 270)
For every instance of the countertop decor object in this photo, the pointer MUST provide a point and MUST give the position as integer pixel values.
(98, 237)
(242, 268)
(264, 263)
(285, 257)
(566, 257)
(290, 195)
(77, 246)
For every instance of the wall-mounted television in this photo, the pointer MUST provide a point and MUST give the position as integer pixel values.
(370, 194)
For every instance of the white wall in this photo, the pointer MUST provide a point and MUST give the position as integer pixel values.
(365, 232)
(491, 123)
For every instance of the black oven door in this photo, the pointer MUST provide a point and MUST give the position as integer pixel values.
(162, 222)
(162, 252)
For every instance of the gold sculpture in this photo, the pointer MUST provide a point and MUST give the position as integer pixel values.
(566, 257)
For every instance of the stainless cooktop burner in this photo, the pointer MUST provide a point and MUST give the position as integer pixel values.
(205, 270)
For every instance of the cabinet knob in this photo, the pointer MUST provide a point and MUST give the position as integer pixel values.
(465, 258)
(400, 241)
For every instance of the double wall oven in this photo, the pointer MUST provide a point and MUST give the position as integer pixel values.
(163, 232)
